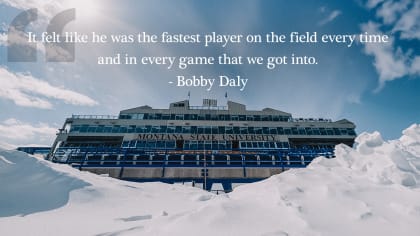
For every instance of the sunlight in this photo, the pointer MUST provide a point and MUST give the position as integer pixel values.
(85, 9)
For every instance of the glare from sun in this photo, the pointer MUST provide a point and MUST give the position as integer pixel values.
(85, 9)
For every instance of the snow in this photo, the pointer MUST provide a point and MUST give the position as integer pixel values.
(372, 189)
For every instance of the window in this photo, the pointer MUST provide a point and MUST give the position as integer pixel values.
(186, 129)
(170, 144)
(280, 130)
(155, 129)
(207, 130)
(160, 144)
(84, 128)
(336, 131)
(123, 129)
(265, 130)
(115, 129)
(148, 128)
(170, 129)
(100, 129)
(163, 129)
(229, 130)
(75, 128)
(140, 144)
(178, 129)
(207, 145)
(221, 129)
(301, 131)
(273, 131)
(179, 104)
(193, 129)
(131, 129)
(244, 130)
(194, 116)
(329, 131)
(140, 129)
(107, 129)
(236, 130)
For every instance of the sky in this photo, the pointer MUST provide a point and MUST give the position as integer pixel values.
(376, 86)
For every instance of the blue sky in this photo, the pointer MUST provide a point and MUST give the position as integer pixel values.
(375, 86)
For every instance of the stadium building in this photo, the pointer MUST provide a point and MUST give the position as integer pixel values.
(200, 144)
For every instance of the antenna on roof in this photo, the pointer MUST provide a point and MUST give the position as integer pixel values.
(189, 95)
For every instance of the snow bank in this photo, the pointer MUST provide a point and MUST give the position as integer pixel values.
(372, 189)
(29, 185)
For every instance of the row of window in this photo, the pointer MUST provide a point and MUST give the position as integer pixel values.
(160, 116)
(201, 145)
(256, 145)
(149, 144)
(210, 130)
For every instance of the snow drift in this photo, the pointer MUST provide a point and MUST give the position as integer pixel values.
(372, 189)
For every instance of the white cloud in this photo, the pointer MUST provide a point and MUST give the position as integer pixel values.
(330, 17)
(3, 39)
(389, 63)
(13, 130)
(7, 146)
(401, 20)
(373, 3)
(409, 23)
(45, 8)
(25, 90)
(390, 10)
(415, 66)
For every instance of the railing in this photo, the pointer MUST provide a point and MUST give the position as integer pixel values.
(103, 117)
(120, 157)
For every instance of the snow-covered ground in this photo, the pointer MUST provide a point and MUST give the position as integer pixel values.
(373, 189)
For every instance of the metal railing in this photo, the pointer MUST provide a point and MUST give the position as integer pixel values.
(102, 117)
